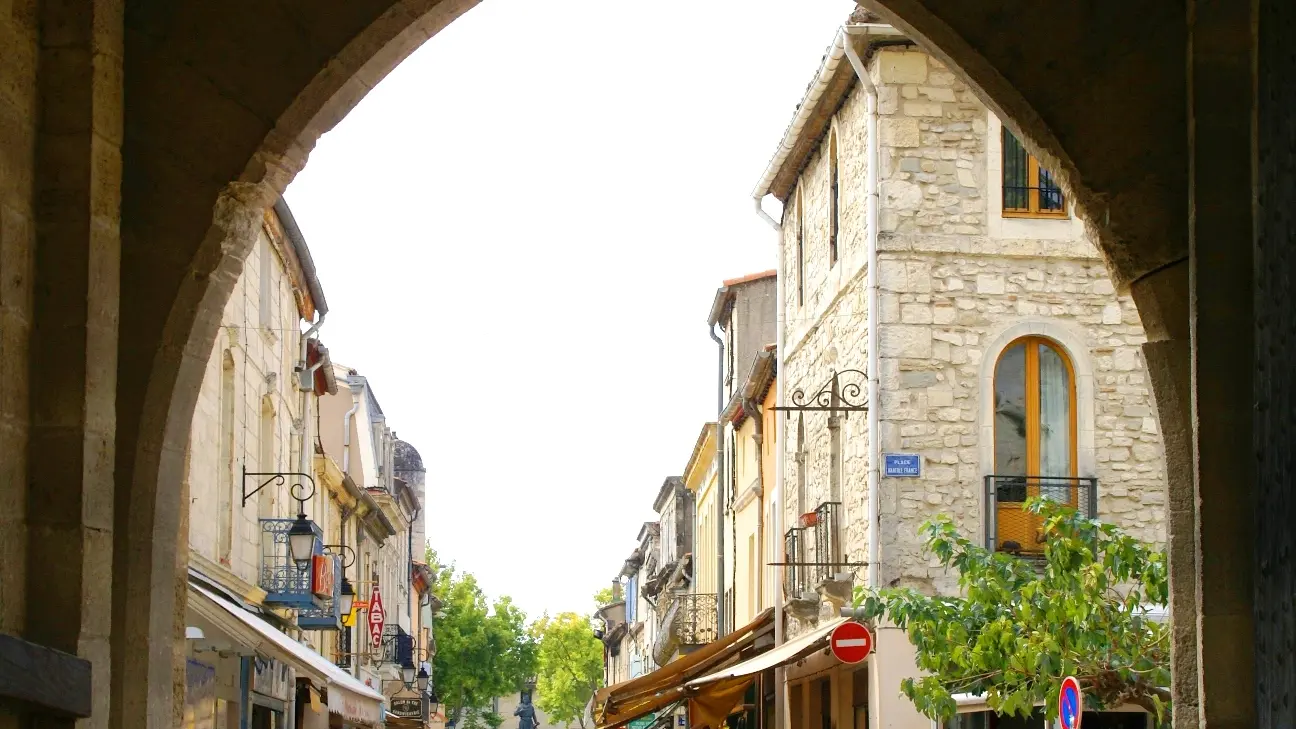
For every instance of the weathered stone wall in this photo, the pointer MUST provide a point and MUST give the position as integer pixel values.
(18, 118)
(957, 283)
(262, 348)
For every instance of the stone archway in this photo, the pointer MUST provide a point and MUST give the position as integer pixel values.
(143, 139)
(267, 115)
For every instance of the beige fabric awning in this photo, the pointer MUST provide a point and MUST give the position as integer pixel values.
(348, 697)
(792, 650)
(623, 702)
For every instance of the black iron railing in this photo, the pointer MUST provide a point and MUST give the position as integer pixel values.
(796, 574)
(397, 646)
(695, 618)
(827, 540)
(343, 648)
(1047, 199)
(1010, 528)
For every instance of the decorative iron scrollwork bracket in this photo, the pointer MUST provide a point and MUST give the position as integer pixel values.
(842, 393)
(281, 479)
(348, 554)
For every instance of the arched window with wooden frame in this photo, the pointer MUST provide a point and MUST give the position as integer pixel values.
(1035, 429)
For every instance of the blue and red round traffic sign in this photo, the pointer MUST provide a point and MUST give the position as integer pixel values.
(1070, 703)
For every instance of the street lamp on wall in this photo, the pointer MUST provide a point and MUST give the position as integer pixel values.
(301, 535)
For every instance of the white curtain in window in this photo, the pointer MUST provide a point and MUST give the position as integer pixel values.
(1055, 416)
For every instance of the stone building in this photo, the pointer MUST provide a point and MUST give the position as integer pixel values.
(354, 427)
(1004, 363)
(259, 621)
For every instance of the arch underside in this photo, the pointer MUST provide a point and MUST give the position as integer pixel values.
(227, 99)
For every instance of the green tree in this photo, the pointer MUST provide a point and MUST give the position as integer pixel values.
(483, 649)
(1020, 627)
(570, 666)
(603, 598)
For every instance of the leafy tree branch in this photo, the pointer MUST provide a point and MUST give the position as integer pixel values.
(1021, 626)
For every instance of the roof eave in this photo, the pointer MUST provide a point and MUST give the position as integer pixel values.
(833, 81)
(289, 224)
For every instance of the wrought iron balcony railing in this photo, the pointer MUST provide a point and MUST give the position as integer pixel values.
(328, 616)
(827, 540)
(344, 648)
(1010, 528)
(397, 646)
(684, 622)
(796, 573)
(284, 583)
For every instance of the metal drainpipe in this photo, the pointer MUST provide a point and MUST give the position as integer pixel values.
(871, 286)
(720, 484)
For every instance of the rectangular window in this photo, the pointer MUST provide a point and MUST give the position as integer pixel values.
(1029, 190)
(632, 600)
(834, 208)
(800, 271)
(266, 294)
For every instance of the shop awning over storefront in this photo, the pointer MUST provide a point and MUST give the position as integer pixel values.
(347, 697)
(795, 649)
(716, 695)
(619, 704)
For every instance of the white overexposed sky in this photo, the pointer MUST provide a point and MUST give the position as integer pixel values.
(520, 232)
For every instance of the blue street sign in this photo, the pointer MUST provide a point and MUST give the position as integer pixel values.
(1070, 703)
(901, 465)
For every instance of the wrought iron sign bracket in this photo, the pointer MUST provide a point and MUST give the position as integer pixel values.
(280, 479)
(347, 553)
(835, 396)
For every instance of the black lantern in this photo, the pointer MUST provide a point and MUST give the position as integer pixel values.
(346, 597)
(301, 536)
(434, 703)
(407, 674)
(301, 541)
(422, 679)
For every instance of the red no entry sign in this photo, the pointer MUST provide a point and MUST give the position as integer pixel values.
(851, 642)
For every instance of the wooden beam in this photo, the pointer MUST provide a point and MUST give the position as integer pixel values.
(47, 681)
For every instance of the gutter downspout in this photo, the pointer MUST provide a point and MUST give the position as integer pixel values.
(871, 287)
(307, 385)
(720, 484)
(346, 427)
(780, 681)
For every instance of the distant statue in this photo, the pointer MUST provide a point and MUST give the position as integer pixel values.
(526, 713)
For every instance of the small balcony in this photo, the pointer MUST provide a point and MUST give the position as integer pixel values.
(797, 578)
(285, 584)
(328, 616)
(1013, 530)
(686, 622)
(397, 646)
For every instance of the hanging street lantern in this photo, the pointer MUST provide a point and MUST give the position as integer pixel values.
(301, 541)
(301, 535)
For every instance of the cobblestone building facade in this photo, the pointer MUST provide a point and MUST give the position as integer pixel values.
(1003, 347)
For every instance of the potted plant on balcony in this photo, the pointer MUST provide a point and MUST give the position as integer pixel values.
(809, 519)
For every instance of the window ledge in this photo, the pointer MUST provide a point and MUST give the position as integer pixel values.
(1035, 215)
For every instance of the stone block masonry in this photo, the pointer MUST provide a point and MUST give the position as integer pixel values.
(958, 283)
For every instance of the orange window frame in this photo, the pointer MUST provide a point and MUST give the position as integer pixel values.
(1031, 344)
(1032, 209)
